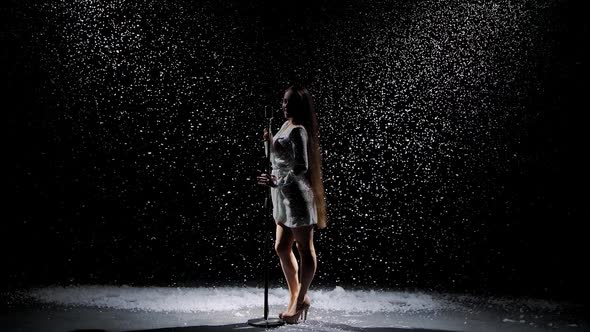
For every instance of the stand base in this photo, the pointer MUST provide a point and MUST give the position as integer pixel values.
(270, 322)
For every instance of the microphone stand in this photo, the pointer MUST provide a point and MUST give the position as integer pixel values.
(266, 321)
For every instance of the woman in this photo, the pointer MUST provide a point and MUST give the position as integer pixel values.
(297, 195)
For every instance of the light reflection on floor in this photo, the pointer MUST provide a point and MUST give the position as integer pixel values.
(113, 308)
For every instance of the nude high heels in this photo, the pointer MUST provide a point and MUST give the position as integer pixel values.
(301, 310)
(305, 299)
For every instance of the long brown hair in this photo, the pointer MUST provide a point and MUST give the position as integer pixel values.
(301, 106)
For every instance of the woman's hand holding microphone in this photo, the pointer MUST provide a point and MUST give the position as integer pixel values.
(266, 179)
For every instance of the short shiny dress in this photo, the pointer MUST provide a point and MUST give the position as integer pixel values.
(292, 198)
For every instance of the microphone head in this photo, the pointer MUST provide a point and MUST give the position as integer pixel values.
(270, 114)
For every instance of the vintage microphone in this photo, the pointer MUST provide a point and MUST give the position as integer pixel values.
(266, 321)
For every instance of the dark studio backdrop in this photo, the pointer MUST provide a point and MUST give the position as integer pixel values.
(452, 138)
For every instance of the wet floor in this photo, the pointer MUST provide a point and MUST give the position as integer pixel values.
(112, 308)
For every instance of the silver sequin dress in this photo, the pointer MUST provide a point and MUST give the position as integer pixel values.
(292, 199)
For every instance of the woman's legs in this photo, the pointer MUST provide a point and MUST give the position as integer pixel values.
(304, 238)
(284, 248)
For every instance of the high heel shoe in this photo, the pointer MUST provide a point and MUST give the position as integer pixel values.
(302, 309)
(305, 300)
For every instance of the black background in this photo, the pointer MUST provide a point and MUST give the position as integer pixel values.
(453, 140)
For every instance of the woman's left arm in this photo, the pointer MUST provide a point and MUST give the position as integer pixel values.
(298, 137)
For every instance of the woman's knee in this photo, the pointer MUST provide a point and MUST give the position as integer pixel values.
(283, 246)
(304, 238)
(284, 240)
(305, 248)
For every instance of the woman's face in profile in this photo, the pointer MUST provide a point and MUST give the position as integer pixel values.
(285, 104)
